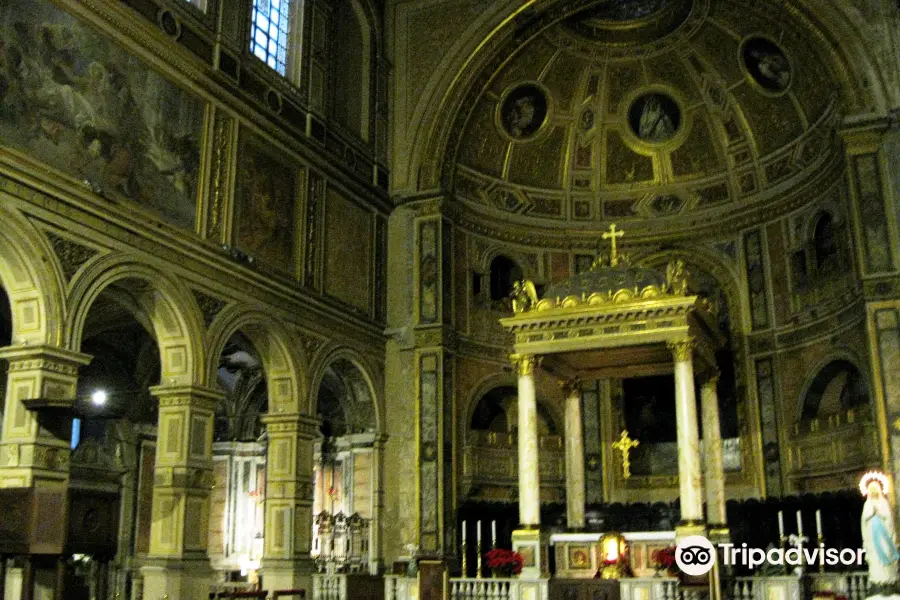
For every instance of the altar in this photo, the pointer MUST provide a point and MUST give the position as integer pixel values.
(583, 555)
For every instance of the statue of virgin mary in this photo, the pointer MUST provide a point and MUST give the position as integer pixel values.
(878, 534)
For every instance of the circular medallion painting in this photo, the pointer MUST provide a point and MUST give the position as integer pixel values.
(523, 111)
(654, 117)
(766, 64)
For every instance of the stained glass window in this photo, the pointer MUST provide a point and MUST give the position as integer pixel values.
(269, 32)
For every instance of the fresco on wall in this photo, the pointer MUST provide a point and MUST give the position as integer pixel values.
(266, 198)
(74, 100)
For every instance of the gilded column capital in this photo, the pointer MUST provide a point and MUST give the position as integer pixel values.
(682, 350)
(712, 378)
(570, 386)
(524, 364)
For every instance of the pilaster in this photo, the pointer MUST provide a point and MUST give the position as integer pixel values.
(286, 562)
(433, 348)
(177, 563)
(34, 452)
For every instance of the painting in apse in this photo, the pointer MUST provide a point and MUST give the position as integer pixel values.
(523, 111)
(78, 102)
(766, 64)
(266, 198)
(654, 117)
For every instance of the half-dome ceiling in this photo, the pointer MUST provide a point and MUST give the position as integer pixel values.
(652, 108)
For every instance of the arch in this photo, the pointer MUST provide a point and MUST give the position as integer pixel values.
(826, 367)
(166, 302)
(498, 380)
(365, 369)
(825, 240)
(282, 360)
(503, 271)
(352, 67)
(31, 275)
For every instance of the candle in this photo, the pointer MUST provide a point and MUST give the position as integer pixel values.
(464, 533)
(478, 533)
(780, 524)
(493, 533)
(799, 523)
(818, 523)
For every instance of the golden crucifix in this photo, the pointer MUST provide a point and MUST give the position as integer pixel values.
(625, 445)
(611, 235)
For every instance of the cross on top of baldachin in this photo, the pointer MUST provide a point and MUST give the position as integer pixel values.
(611, 235)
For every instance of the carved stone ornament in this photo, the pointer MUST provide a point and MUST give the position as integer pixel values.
(71, 255)
(210, 306)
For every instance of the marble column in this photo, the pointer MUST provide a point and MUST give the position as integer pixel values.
(177, 563)
(529, 461)
(712, 443)
(689, 481)
(574, 456)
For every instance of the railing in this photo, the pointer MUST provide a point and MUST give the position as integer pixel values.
(399, 587)
(259, 595)
(329, 587)
(653, 588)
(852, 585)
(497, 589)
(481, 589)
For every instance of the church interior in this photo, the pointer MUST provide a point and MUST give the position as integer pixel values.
(448, 299)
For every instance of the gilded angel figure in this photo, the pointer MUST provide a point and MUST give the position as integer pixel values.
(524, 296)
(676, 277)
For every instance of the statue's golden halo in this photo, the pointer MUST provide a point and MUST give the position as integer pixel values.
(871, 476)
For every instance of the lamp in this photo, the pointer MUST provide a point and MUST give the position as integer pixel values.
(613, 556)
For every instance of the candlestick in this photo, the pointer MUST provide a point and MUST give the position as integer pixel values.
(818, 523)
(781, 526)
(800, 523)
(478, 547)
(465, 561)
(821, 554)
(478, 562)
(464, 534)
(493, 534)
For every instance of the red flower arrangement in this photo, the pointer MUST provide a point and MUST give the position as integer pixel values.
(664, 558)
(504, 562)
